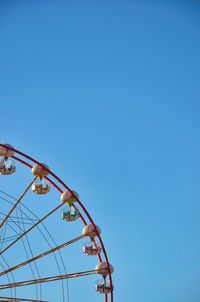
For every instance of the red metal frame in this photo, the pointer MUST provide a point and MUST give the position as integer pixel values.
(78, 201)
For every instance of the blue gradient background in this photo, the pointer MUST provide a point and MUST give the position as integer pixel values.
(107, 93)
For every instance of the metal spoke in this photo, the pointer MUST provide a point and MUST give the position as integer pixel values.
(26, 232)
(34, 220)
(48, 279)
(42, 255)
(17, 202)
(20, 299)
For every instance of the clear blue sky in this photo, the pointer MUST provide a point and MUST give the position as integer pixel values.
(108, 94)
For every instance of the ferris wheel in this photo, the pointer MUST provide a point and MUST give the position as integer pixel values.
(37, 214)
